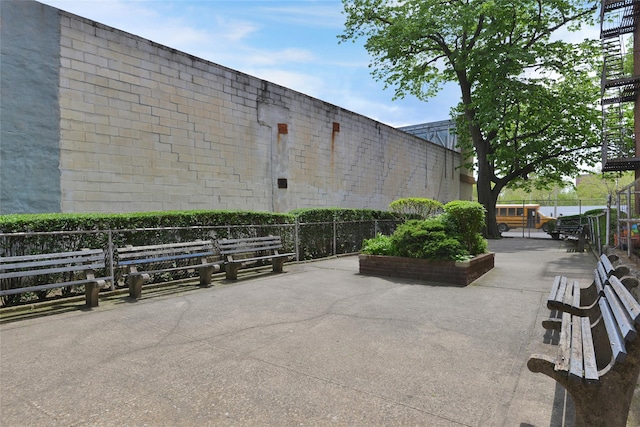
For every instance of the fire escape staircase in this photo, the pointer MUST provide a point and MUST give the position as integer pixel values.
(617, 17)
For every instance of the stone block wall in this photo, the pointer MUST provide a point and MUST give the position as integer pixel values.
(144, 127)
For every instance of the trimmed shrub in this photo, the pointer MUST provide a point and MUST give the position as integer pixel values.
(413, 207)
(379, 245)
(426, 239)
(452, 235)
(466, 219)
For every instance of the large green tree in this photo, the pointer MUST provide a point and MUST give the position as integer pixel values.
(528, 99)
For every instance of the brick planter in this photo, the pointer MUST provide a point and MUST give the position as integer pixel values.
(448, 273)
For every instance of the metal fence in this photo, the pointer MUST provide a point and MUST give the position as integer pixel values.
(307, 240)
(626, 234)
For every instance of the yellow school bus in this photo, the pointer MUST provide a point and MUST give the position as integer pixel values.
(521, 215)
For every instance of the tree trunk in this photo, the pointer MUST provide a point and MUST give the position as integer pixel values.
(487, 198)
(487, 193)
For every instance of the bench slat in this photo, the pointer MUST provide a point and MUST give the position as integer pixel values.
(181, 245)
(246, 248)
(631, 305)
(257, 258)
(564, 345)
(18, 258)
(567, 299)
(598, 281)
(576, 294)
(142, 251)
(607, 265)
(562, 289)
(589, 354)
(164, 258)
(577, 365)
(78, 260)
(52, 286)
(615, 339)
(43, 271)
(603, 272)
(619, 313)
(553, 295)
(168, 252)
(250, 239)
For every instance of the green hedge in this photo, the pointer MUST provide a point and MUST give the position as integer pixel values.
(352, 227)
(79, 231)
(83, 222)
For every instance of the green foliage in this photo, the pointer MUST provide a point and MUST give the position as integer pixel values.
(426, 239)
(415, 207)
(467, 220)
(452, 235)
(339, 214)
(379, 245)
(84, 222)
(527, 97)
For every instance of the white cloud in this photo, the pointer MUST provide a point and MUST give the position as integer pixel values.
(325, 14)
(302, 82)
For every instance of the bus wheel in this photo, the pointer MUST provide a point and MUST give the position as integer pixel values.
(502, 227)
(545, 227)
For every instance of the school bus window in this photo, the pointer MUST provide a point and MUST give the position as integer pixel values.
(502, 211)
(512, 211)
(520, 211)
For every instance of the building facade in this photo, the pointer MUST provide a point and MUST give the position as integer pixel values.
(94, 119)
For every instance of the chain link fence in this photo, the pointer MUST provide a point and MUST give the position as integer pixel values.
(308, 241)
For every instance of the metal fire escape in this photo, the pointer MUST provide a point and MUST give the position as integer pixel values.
(617, 18)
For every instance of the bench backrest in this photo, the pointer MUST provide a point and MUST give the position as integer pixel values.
(132, 255)
(42, 264)
(620, 312)
(249, 245)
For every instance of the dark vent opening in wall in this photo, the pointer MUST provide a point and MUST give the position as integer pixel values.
(282, 183)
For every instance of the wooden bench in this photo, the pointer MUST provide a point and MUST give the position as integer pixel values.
(576, 235)
(566, 229)
(58, 270)
(141, 262)
(567, 295)
(598, 358)
(240, 253)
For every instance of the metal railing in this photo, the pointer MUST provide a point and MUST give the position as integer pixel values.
(627, 231)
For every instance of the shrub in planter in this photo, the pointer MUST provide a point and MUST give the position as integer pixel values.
(413, 207)
(426, 239)
(379, 245)
(453, 235)
(466, 220)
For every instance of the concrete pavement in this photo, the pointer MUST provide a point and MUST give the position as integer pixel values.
(317, 345)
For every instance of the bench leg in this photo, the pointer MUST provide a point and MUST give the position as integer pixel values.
(231, 270)
(91, 291)
(277, 264)
(598, 405)
(205, 275)
(135, 284)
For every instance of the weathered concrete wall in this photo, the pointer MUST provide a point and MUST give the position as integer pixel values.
(145, 127)
(29, 112)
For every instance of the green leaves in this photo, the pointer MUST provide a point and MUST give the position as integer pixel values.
(529, 100)
(415, 206)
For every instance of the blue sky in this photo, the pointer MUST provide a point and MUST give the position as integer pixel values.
(291, 43)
